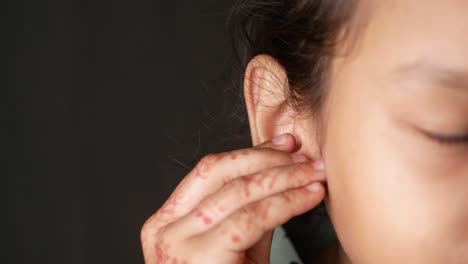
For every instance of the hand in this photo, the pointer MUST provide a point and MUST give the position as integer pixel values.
(226, 208)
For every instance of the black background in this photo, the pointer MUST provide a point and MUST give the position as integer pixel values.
(109, 104)
(104, 99)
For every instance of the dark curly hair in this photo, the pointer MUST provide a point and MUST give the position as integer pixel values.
(300, 34)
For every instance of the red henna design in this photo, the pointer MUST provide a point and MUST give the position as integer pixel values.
(198, 214)
(233, 156)
(223, 155)
(235, 239)
(207, 220)
(199, 174)
(169, 206)
(175, 200)
(206, 164)
(258, 182)
(162, 254)
(247, 181)
(161, 251)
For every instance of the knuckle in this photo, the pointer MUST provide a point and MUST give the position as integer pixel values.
(154, 224)
(241, 186)
(269, 177)
(208, 206)
(277, 172)
(280, 206)
(208, 159)
(144, 231)
(149, 225)
(244, 186)
(286, 198)
(204, 166)
(151, 231)
(247, 223)
(226, 181)
(255, 223)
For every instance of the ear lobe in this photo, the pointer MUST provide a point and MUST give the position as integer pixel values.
(265, 89)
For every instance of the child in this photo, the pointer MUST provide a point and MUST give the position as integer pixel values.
(362, 104)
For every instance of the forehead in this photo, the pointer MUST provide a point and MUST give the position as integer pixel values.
(408, 31)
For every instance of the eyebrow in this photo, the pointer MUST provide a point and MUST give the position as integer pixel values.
(433, 73)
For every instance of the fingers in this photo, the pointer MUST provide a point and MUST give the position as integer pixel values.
(214, 170)
(221, 168)
(243, 193)
(244, 228)
(244, 190)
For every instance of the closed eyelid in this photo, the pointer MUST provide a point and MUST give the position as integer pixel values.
(458, 138)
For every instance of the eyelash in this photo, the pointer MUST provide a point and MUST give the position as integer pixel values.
(450, 139)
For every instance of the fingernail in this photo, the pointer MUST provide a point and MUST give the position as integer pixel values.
(280, 140)
(314, 187)
(298, 158)
(318, 165)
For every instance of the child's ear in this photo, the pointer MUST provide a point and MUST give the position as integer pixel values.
(265, 84)
(270, 113)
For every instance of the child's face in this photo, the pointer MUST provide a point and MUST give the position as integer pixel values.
(396, 194)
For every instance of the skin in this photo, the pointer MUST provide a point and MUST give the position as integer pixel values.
(225, 209)
(396, 194)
